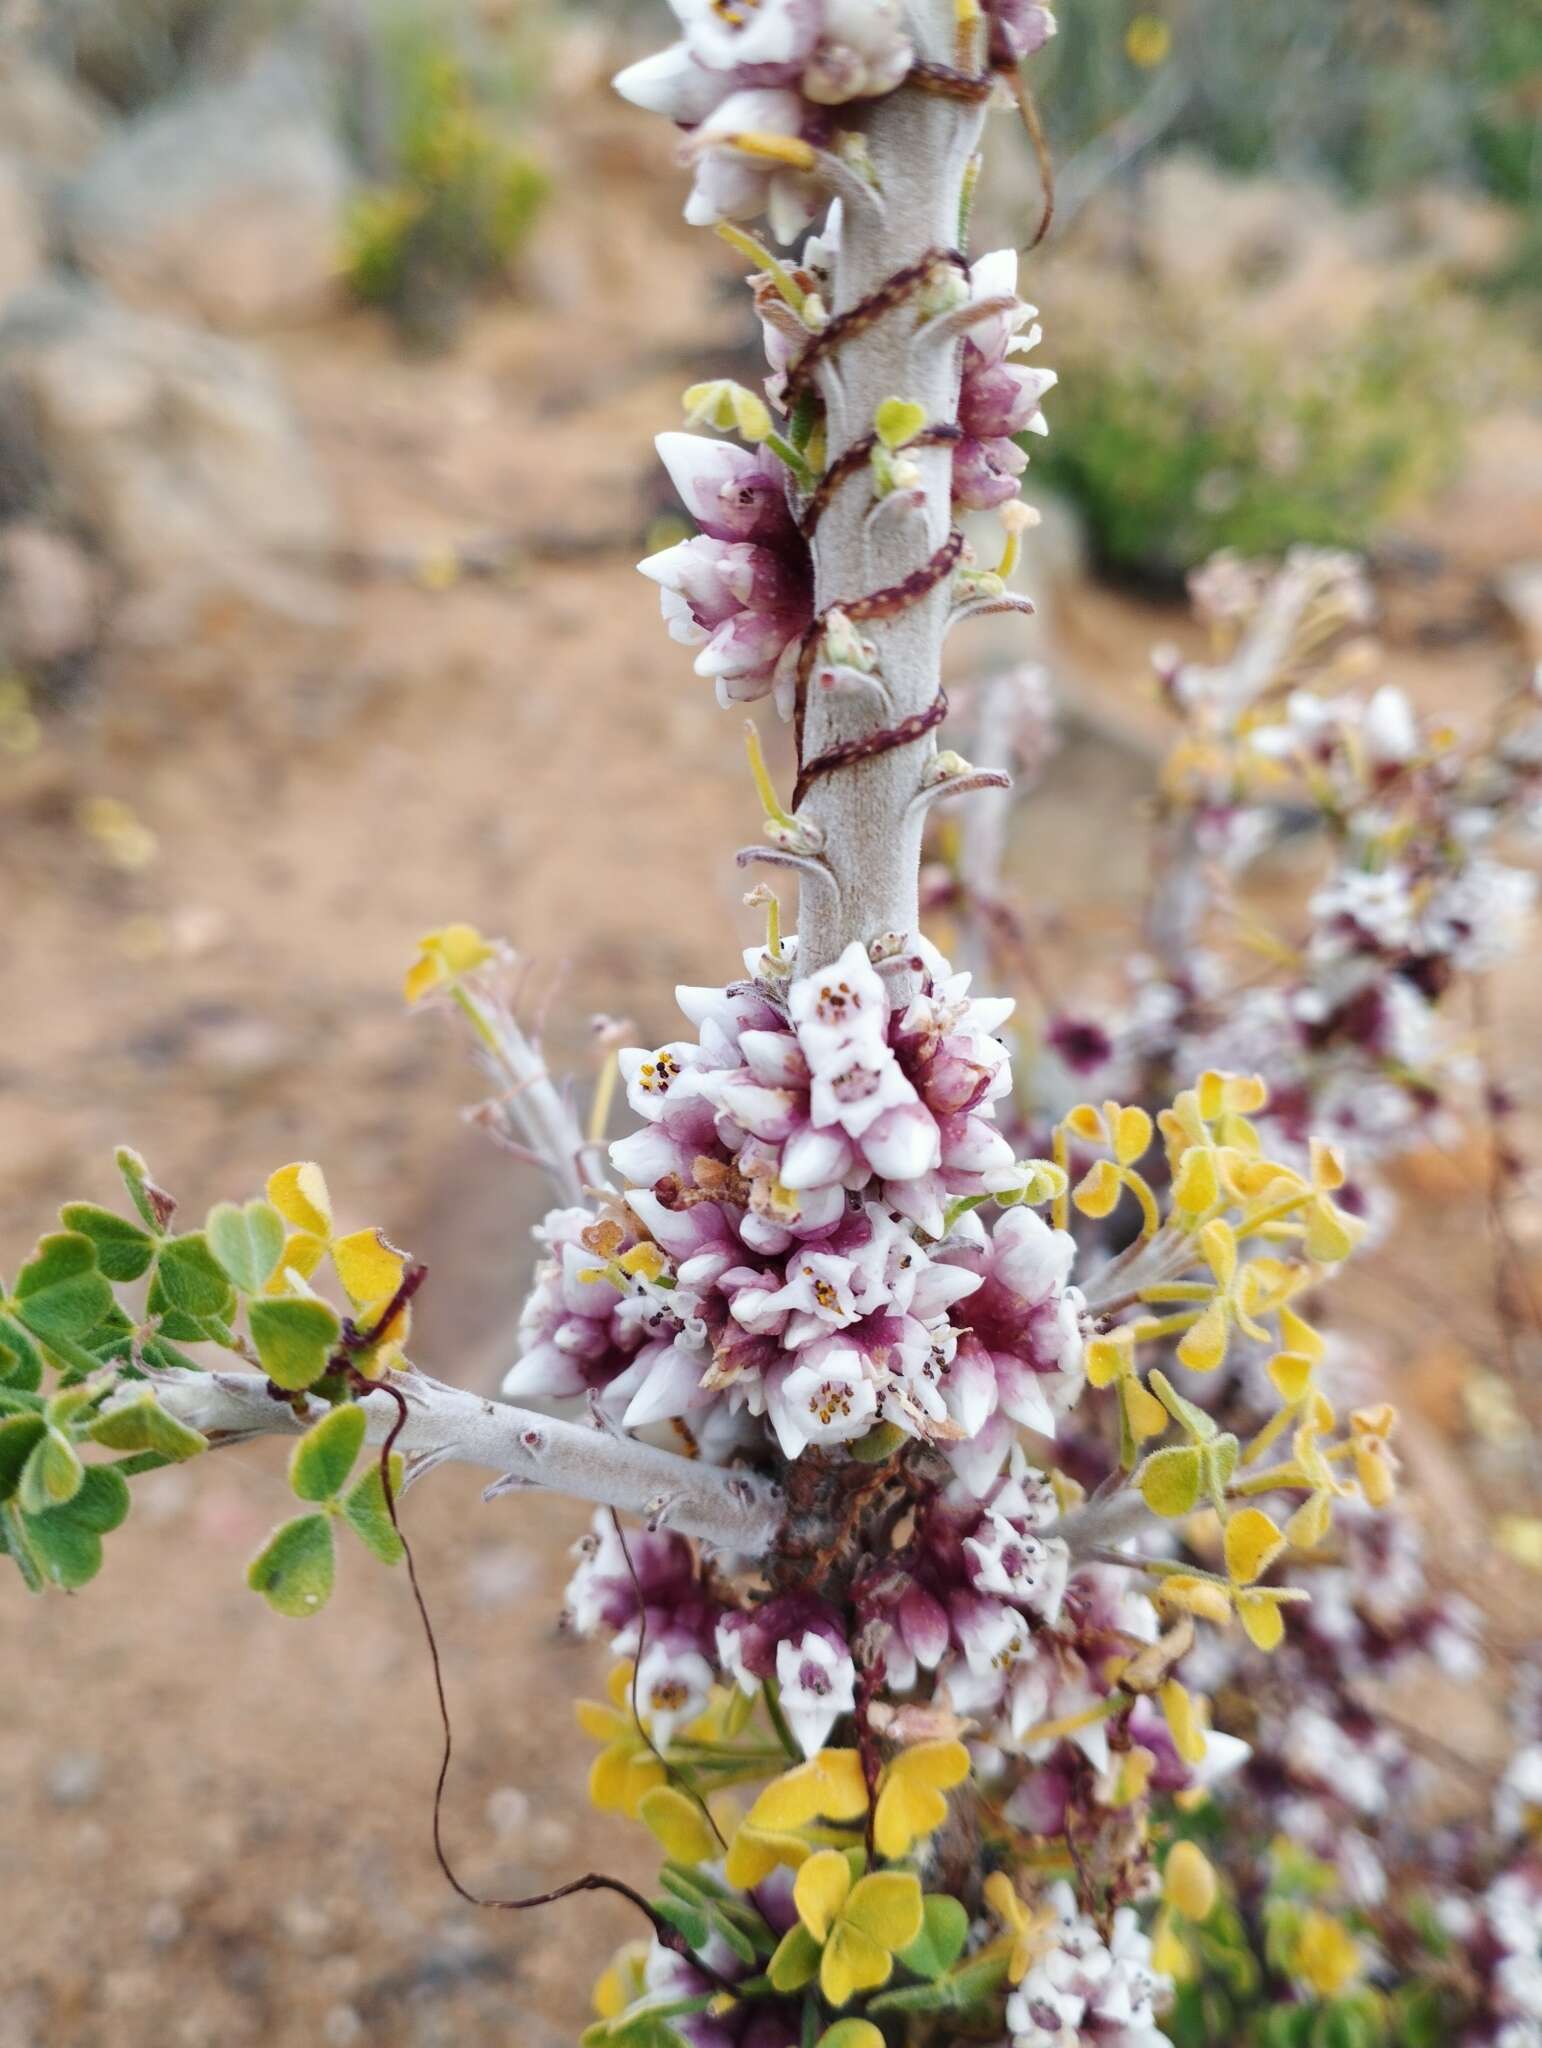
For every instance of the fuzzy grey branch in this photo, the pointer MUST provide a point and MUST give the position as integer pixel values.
(920, 146)
(734, 1511)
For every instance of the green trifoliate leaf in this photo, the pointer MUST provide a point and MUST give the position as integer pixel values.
(1169, 1480)
(14, 1545)
(248, 1243)
(295, 1568)
(123, 1250)
(685, 1919)
(728, 407)
(156, 1208)
(962, 1989)
(63, 1407)
(897, 421)
(66, 1541)
(944, 1930)
(1199, 1425)
(366, 1513)
(52, 1475)
(19, 1436)
(1220, 1462)
(294, 1336)
(21, 1370)
(320, 1462)
(191, 1280)
(142, 1424)
(61, 1294)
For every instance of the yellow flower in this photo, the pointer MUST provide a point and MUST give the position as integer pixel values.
(622, 1982)
(445, 956)
(1192, 1594)
(369, 1267)
(1203, 1347)
(779, 1828)
(1252, 1544)
(1375, 1465)
(626, 1769)
(1325, 1955)
(1026, 1927)
(1259, 1609)
(1111, 1361)
(678, 1824)
(1188, 1882)
(848, 1932)
(910, 1795)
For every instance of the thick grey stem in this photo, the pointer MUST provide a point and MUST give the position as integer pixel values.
(736, 1511)
(921, 146)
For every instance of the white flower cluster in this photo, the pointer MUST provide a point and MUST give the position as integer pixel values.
(770, 69)
(798, 1244)
(1082, 1989)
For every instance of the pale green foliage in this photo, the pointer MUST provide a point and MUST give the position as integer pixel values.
(109, 1302)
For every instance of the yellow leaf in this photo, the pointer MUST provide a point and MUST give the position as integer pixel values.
(1147, 1415)
(1326, 1956)
(1330, 1235)
(678, 1825)
(1109, 1356)
(299, 1193)
(1291, 1373)
(1260, 1614)
(1203, 1347)
(886, 1906)
(599, 1723)
(1373, 1469)
(796, 1961)
(1086, 1123)
(1169, 1480)
(1195, 1186)
(1311, 1522)
(622, 1982)
(1169, 1953)
(1297, 1335)
(820, 1890)
(1219, 1245)
(1252, 1544)
(445, 955)
(1098, 1190)
(830, 1785)
(1188, 1882)
(302, 1254)
(852, 1962)
(369, 1268)
(1131, 1129)
(755, 1852)
(1327, 1165)
(1196, 1596)
(910, 1795)
(1182, 1721)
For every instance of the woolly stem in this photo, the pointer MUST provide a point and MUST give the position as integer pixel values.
(920, 145)
(735, 1511)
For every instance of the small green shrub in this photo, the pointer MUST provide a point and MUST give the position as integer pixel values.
(458, 195)
(1176, 439)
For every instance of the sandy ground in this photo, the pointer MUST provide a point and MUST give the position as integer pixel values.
(215, 1823)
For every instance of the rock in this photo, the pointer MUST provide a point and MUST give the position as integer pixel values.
(43, 118)
(132, 51)
(175, 450)
(50, 596)
(21, 232)
(225, 202)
